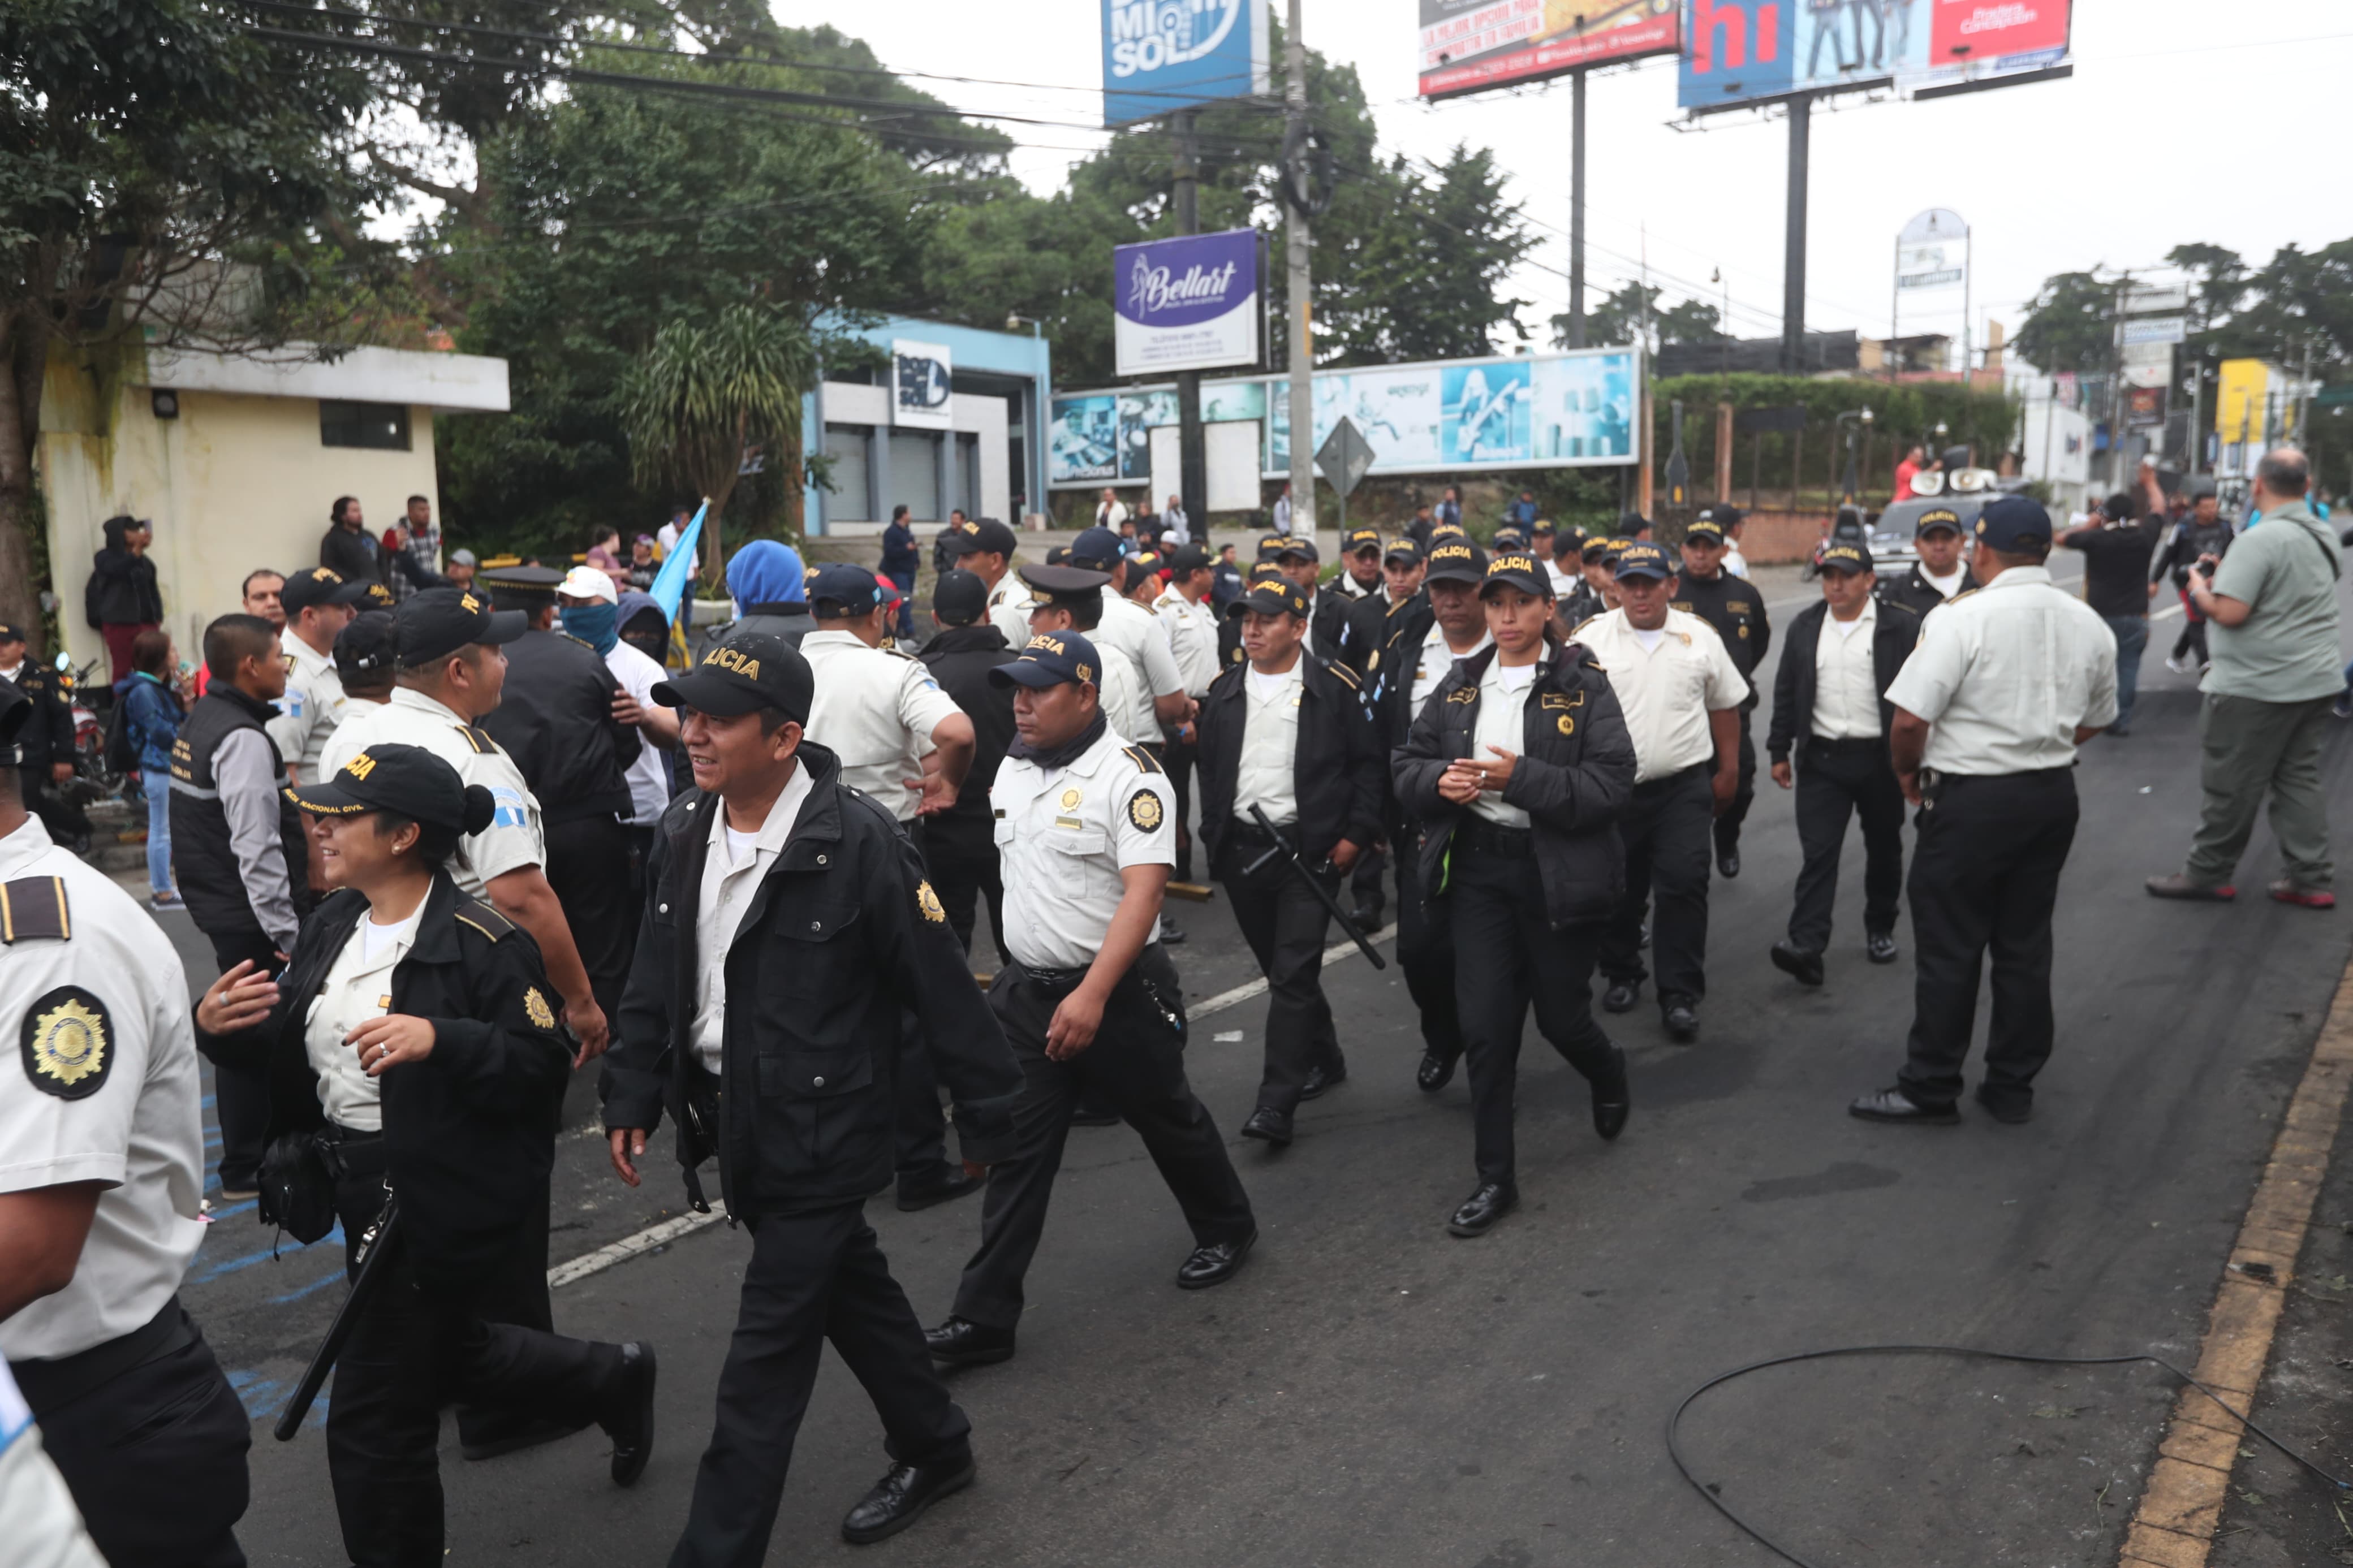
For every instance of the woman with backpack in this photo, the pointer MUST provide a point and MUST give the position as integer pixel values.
(149, 722)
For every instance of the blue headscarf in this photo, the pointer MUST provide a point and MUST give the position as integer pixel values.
(766, 573)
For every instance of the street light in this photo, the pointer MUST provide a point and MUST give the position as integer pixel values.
(1015, 323)
(1850, 484)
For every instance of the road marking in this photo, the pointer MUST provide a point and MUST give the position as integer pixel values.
(669, 1230)
(2180, 1510)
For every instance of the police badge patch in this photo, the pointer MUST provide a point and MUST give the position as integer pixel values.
(535, 1008)
(65, 1045)
(929, 903)
(1143, 810)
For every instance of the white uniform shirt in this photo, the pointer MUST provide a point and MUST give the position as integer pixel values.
(1734, 562)
(1062, 838)
(1118, 692)
(732, 871)
(1139, 634)
(1667, 690)
(1192, 639)
(648, 776)
(1009, 603)
(124, 1046)
(1437, 661)
(358, 987)
(1503, 721)
(876, 710)
(1563, 582)
(310, 709)
(1846, 678)
(513, 839)
(1265, 776)
(2004, 676)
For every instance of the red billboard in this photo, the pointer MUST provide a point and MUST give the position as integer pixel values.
(1994, 30)
(1469, 46)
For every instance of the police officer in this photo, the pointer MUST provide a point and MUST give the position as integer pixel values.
(1127, 627)
(1941, 573)
(1736, 611)
(1360, 565)
(395, 969)
(1190, 619)
(1373, 620)
(1091, 998)
(1681, 694)
(1599, 560)
(1327, 612)
(365, 659)
(1288, 733)
(556, 717)
(100, 1205)
(2006, 683)
(789, 918)
(318, 606)
(960, 843)
(46, 742)
(985, 548)
(1517, 769)
(1070, 599)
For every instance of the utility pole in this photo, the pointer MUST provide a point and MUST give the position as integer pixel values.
(1793, 254)
(1192, 458)
(1576, 209)
(1303, 339)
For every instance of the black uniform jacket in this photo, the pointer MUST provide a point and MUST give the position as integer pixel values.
(1389, 682)
(843, 932)
(1575, 772)
(960, 658)
(1736, 610)
(1369, 624)
(469, 1132)
(1892, 637)
(556, 718)
(1916, 593)
(1335, 771)
(1327, 619)
(48, 735)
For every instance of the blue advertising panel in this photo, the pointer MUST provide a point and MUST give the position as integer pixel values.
(1161, 56)
(1189, 304)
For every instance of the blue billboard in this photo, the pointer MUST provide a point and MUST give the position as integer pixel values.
(1161, 55)
(1740, 51)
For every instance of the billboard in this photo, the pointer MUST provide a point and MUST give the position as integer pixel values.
(1470, 45)
(1739, 52)
(921, 397)
(1189, 303)
(1161, 56)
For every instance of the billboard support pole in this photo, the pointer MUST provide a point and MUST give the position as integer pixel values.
(1302, 344)
(1793, 254)
(1192, 457)
(1576, 209)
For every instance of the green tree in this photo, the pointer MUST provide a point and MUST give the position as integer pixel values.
(1629, 314)
(2070, 325)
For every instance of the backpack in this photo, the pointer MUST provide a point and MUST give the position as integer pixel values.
(122, 746)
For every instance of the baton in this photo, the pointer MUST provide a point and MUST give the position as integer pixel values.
(1282, 849)
(375, 1248)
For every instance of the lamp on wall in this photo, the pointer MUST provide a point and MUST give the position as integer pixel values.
(165, 401)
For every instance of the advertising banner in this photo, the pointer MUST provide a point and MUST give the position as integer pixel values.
(1738, 52)
(1470, 45)
(1191, 303)
(1161, 56)
(921, 397)
(1980, 41)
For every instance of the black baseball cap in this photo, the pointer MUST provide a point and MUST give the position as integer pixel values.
(1097, 548)
(1456, 560)
(1937, 517)
(1052, 658)
(1446, 530)
(2009, 523)
(1724, 514)
(1845, 557)
(409, 780)
(1270, 545)
(985, 536)
(1598, 547)
(742, 674)
(11, 633)
(1188, 558)
(317, 586)
(959, 598)
(1508, 538)
(1641, 559)
(1569, 541)
(366, 646)
(1403, 549)
(1704, 527)
(1360, 539)
(375, 596)
(1516, 568)
(437, 623)
(1274, 597)
(848, 584)
(1264, 571)
(1299, 545)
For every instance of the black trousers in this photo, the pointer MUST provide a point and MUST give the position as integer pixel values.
(1727, 827)
(155, 1458)
(814, 1277)
(413, 1351)
(1425, 949)
(1985, 877)
(1507, 955)
(588, 868)
(1137, 1063)
(64, 821)
(921, 1150)
(1836, 780)
(240, 1083)
(1665, 830)
(1364, 880)
(1181, 758)
(964, 872)
(1286, 926)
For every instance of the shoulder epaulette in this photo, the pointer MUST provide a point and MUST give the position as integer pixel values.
(1954, 599)
(34, 905)
(1577, 632)
(1145, 761)
(479, 739)
(895, 651)
(1348, 677)
(485, 918)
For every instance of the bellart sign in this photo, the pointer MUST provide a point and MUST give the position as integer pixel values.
(1187, 304)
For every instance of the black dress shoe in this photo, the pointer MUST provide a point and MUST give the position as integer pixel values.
(1680, 1014)
(2008, 1108)
(947, 1182)
(1880, 947)
(1321, 1077)
(628, 1417)
(1798, 963)
(1894, 1105)
(1613, 1101)
(1481, 1209)
(1365, 918)
(1728, 865)
(1093, 1112)
(1621, 995)
(1437, 1070)
(900, 1498)
(1214, 1264)
(1171, 933)
(1267, 1125)
(960, 1343)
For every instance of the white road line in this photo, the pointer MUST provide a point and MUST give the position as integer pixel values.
(669, 1230)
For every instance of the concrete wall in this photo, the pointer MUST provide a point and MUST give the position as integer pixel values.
(986, 418)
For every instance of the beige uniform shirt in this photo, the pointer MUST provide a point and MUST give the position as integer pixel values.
(2005, 674)
(1266, 777)
(1009, 603)
(1137, 633)
(1667, 683)
(732, 871)
(1192, 639)
(1062, 838)
(876, 710)
(1436, 661)
(513, 839)
(313, 705)
(358, 987)
(1503, 721)
(1846, 678)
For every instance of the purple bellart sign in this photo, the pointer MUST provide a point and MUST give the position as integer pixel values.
(1187, 304)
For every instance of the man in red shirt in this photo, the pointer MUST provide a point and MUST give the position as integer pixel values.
(1907, 469)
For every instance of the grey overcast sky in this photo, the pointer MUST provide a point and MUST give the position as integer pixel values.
(2186, 119)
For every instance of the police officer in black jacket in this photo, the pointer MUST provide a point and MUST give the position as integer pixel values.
(1516, 769)
(1736, 610)
(1831, 710)
(46, 742)
(1941, 572)
(556, 717)
(1287, 732)
(789, 923)
(960, 843)
(1327, 610)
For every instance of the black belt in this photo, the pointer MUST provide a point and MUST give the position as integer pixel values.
(1066, 981)
(50, 1386)
(1850, 743)
(351, 1153)
(1479, 836)
(1668, 781)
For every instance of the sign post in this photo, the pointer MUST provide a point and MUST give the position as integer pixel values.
(1346, 458)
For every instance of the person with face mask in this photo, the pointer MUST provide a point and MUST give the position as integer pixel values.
(588, 607)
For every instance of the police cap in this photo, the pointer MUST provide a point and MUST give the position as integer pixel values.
(1360, 540)
(742, 674)
(1640, 559)
(1704, 530)
(1096, 548)
(437, 623)
(9, 634)
(317, 586)
(845, 583)
(1937, 517)
(407, 780)
(1845, 557)
(1514, 569)
(2013, 523)
(1063, 588)
(526, 588)
(1270, 545)
(1456, 560)
(959, 599)
(1188, 558)
(1404, 552)
(1597, 548)
(985, 537)
(1276, 597)
(1301, 545)
(1052, 658)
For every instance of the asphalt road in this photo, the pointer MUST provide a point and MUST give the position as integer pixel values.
(1371, 1391)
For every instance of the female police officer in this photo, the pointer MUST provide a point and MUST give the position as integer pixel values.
(412, 1040)
(1516, 768)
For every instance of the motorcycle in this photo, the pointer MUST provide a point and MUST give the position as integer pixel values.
(93, 780)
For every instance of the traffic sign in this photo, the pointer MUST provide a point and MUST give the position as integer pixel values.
(1345, 456)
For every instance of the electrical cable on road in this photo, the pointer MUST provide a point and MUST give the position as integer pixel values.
(1968, 1353)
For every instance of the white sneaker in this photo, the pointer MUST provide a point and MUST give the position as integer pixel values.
(2175, 663)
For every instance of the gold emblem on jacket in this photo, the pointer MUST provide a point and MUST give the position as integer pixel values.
(929, 903)
(535, 1008)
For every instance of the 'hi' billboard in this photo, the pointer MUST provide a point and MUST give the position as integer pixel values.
(1161, 55)
(1738, 52)
(1189, 303)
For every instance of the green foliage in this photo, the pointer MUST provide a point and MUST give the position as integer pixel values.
(1901, 414)
(693, 403)
(2071, 325)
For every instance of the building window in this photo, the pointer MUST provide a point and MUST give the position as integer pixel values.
(380, 427)
(914, 474)
(848, 503)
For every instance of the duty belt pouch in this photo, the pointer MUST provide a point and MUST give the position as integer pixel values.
(298, 1190)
